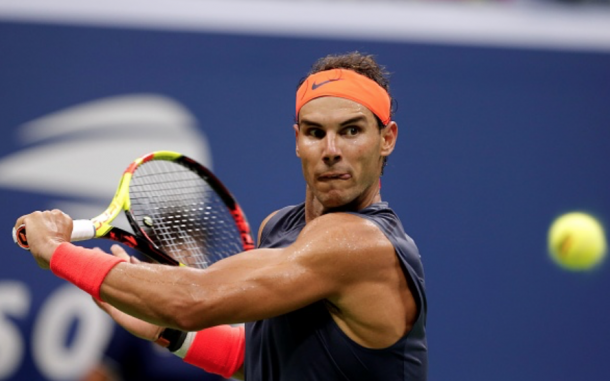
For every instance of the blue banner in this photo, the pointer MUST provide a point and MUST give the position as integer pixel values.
(494, 143)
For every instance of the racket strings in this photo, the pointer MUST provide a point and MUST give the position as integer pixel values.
(182, 214)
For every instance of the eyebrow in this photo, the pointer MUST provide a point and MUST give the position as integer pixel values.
(353, 120)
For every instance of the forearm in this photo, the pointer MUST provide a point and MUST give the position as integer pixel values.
(175, 297)
(137, 290)
(162, 295)
(144, 291)
(244, 287)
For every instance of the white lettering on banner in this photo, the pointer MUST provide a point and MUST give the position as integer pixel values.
(94, 329)
(15, 302)
(54, 357)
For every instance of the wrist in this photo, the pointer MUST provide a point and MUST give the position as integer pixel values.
(43, 252)
(172, 339)
(49, 250)
(218, 349)
(186, 345)
(85, 268)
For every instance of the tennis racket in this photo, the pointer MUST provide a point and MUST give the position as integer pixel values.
(181, 214)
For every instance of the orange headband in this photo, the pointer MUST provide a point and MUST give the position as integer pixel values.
(347, 84)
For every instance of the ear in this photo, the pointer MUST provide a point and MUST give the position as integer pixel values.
(389, 134)
(296, 138)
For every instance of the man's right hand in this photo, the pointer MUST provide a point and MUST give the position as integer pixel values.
(45, 231)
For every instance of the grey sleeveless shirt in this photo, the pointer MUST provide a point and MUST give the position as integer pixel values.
(307, 345)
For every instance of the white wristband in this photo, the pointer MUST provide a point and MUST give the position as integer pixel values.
(181, 352)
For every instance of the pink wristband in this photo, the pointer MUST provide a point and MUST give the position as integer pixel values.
(84, 268)
(218, 350)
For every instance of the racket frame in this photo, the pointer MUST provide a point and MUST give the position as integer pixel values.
(102, 227)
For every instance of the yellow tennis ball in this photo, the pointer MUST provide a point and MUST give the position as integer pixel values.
(577, 241)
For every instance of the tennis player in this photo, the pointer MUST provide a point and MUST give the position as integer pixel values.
(335, 290)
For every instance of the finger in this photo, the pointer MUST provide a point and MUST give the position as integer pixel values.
(58, 212)
(102, 305)
(118, 251)
(20, 228)
(60, 218)
(112, 311)
(97, 302)
(157, 333)
(134, 260)
(22, 220)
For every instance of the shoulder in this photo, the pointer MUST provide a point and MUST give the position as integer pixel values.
(263, 224)
(354, 246)
(289, 219)
(341, 226)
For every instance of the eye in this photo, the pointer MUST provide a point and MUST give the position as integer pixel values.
(315, 133)
(351, 131)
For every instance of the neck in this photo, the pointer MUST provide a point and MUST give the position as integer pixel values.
(314, 209)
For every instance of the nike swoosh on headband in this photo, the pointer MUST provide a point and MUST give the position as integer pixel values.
(316, 85)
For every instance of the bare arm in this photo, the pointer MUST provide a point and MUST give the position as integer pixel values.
(338, 257)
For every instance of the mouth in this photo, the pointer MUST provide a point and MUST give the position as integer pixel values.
(330, 176)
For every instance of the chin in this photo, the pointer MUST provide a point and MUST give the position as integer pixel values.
(335, 201)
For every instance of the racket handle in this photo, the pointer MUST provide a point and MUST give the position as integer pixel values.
(81, 230)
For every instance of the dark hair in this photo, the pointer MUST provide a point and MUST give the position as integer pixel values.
(361, 63)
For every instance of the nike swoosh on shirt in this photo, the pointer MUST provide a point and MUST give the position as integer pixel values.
(316, 85)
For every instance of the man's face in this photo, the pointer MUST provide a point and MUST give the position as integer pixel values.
(341, 150)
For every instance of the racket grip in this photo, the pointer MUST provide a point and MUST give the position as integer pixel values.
(81, 230)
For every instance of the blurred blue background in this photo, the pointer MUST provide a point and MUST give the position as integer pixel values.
(496, 140)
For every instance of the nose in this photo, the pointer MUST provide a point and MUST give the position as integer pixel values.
(332, 153)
